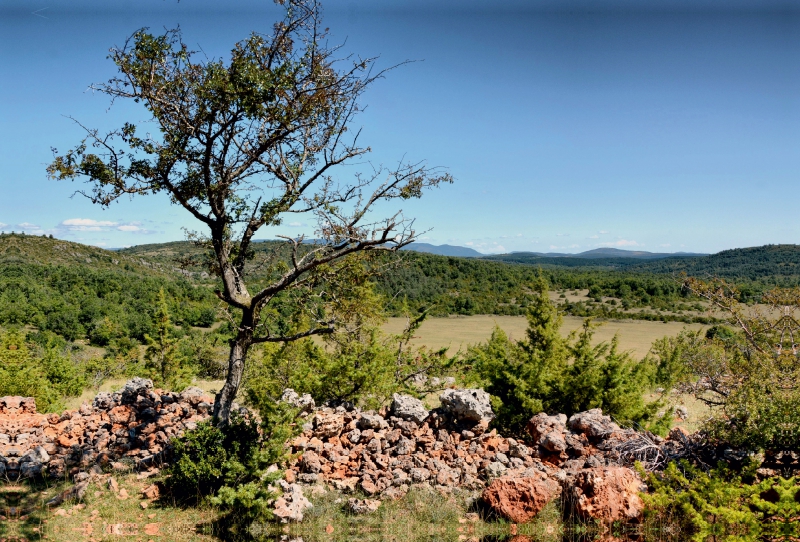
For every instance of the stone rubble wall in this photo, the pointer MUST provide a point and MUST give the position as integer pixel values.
(379, 454)
(384, 454)
(131, 426)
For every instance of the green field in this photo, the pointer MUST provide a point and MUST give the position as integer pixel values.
(460, 331)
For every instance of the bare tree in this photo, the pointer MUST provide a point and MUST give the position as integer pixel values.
(243, 144)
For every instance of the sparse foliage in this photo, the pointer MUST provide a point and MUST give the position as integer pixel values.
(750, 376)
(243, 144)
(358, 363)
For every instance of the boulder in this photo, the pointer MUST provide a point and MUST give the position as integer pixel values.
(135, 387)
(304, 402)
(328, 424)
(103, 400)
(37, 455)
(542, 424)
(520, 499)
(607, 494)
(471, 405)
(194, 396)
(372, 421)
(593, 424)
(409, 408)
(291, 506)
(362, 506)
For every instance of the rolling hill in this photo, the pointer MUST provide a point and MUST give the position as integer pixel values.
(444, 250)
(604, 252)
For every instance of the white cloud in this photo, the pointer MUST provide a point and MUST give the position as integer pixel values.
(562, 235)
(469, 244)
(519, 235)
(602, 232)
(92, 225)
(553, 246)
(574, 246)
(3, 224)
(88, 222)
(295, 224)
(593, 237)
(665, 245)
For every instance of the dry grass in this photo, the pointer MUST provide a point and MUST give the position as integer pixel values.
(420, 515)
(460, 331)
(103, 515)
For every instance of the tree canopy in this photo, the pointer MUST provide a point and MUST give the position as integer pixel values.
(243, 143)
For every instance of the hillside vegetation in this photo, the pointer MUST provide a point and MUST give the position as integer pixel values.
(83, 292)
(765, 265)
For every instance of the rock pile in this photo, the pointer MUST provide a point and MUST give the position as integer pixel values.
(384, 454)
(130, 426)
(583, 460)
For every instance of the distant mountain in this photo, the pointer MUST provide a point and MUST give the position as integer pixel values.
(607, 252)
(443, 250)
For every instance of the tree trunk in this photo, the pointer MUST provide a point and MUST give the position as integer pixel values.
(236, 360)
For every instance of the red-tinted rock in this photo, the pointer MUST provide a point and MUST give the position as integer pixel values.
(520, 499)
(607, 494)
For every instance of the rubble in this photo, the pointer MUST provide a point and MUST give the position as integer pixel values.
(382, 455)
(451, 448)
(132, 426)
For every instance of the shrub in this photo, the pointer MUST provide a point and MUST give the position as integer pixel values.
(720, 504)
(48, 375)
(357, 363)
(748, 374)
(547, 373)
(227, 465)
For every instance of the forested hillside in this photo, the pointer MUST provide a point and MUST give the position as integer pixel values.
(765, 265)
(82, 292)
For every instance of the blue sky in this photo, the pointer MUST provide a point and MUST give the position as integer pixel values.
(568, 125)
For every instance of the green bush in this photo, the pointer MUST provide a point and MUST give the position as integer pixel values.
(723, 505)
(47, 373)
(357, 363)
(547, 373)
(227, 465)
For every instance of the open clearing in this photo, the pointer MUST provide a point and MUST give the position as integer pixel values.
(461, 331)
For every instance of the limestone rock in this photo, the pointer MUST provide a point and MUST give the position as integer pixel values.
(328, 424)
(362, 506)
(593, 424)
(135, 387)
(304, 402)
(372, 421)
(291, 506)
(409, 408)
(471, 405)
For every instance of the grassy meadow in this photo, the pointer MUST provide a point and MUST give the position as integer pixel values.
(460, 331)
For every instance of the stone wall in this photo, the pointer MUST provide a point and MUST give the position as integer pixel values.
(128, 428)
